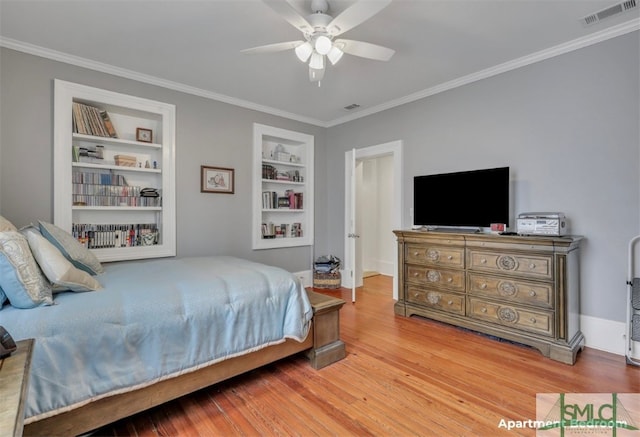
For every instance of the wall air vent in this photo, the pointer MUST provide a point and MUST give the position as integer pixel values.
(616, 9)
(351, 107)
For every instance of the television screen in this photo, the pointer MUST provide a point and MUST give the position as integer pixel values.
(474, 198)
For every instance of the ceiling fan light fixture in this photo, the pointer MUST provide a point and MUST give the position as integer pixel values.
(317, 61)
(334, 55)
(323, 44)
(316, 75)
(304, 51)
(320, 30)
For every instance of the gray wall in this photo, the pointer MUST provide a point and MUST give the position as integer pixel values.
(568, 128)
(207, 132)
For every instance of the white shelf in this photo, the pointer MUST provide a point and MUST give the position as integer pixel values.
(116, 208)
(118, 141)
(282, 182)
(127, 113)
(115, 167)
(284, 210)
(300, 145)
(285, 163)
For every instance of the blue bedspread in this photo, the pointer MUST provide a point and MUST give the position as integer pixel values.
(153, 319)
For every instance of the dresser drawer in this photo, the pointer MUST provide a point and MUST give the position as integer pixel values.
(442, 278)
(538, 322)
(435, 255)
(449, 302)
(530, 293)
(540, 267)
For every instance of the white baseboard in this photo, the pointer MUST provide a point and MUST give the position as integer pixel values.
(603, 334)
(385, 268)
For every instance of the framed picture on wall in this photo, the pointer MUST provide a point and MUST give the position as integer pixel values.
(144, 135)
(216, 180)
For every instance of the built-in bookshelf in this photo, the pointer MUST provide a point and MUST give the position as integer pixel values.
(114, 166)
(282, 188)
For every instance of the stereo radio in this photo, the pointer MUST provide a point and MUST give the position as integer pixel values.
(541, 223)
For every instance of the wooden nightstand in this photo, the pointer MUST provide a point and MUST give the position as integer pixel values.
(14, 381)
(327, 346)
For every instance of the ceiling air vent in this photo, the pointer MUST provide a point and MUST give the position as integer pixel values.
(616, 9)
(351, 107)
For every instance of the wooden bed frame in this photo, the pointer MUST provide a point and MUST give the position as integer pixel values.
(323, 347)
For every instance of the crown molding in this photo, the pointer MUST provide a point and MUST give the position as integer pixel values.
(148, 79)
(578, 43)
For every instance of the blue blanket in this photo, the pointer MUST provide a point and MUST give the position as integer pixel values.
(153, 320)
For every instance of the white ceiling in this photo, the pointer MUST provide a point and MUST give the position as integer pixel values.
(194, 46)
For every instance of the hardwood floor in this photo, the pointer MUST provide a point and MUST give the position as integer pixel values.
(401, 377)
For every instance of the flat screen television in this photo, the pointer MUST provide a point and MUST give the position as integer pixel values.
(469, 199)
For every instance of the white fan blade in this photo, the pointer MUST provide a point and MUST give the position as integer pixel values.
(271, 48)
(364, 49)
(283, 8)
(356, 14)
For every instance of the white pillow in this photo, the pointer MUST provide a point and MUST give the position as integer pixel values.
(55, 266)
(6, 225)
(75, 252)
(20, 277)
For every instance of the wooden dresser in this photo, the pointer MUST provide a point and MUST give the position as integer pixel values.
(523, 289)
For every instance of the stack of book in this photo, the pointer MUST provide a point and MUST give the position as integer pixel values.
(269, 171)
(89, 120)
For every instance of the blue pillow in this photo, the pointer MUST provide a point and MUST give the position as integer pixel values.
(58, 269)
(21, 279)
(75, 252)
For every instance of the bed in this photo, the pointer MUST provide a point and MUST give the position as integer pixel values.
(158, 329)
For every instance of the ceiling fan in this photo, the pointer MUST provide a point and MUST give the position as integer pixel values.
(320, 31)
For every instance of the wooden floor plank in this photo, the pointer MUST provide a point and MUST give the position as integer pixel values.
(401, 376)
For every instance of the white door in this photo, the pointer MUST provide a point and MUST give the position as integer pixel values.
(353, 264)
(352, 228)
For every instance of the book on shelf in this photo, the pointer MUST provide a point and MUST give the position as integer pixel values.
(295, 199)
(106, 120)
(283, 230)
(89, 120)
(288, 200)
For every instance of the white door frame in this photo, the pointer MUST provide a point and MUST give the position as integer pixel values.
(394, 149)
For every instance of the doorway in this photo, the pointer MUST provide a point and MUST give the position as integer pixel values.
(376, 186)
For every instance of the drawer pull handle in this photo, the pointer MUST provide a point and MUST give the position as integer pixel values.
(484, 310)
(532, 320)
(450, 302)
(532, 266)
(483, 286)
(483, 260)
(416, 253)
(450, 257)
(416, 295)
(433, 276)
(532, 293)
(416, 274)
(449, 279)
